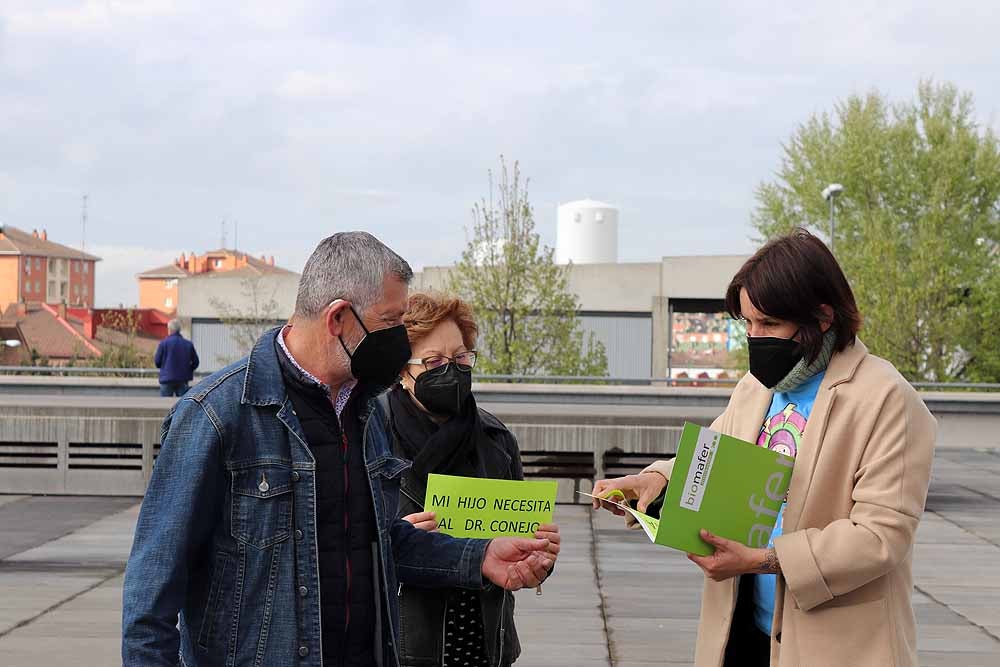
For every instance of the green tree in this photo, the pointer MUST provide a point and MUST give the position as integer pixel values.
(916, 225)
(246, 323)
(526, 314)
(121, 350)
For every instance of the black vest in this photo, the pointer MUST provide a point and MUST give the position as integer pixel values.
(345, 524)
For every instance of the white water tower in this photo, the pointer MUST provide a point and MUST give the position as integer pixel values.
(587, 233)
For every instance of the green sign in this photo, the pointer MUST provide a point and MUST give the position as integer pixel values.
(485, 508)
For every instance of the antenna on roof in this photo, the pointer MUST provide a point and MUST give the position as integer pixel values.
(236, 235)
(223, 233)
(83, 224)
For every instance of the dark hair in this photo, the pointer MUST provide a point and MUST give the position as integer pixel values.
(790, 278)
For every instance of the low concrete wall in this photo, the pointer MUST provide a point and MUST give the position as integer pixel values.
(90, 442)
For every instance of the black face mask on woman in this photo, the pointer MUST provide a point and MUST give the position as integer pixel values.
(380, 356)
(771, 359)
(443, 392)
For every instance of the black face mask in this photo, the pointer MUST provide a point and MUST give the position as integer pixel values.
(771, 359)
(380, 356)
(443, 392)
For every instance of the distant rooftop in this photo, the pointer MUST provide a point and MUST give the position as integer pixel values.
(14, 241)
(232, 262)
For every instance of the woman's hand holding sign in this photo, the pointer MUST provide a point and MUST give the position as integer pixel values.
(423, 520)
(550, 532)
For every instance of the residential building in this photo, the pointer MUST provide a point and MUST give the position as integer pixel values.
(223, 309)
(35, 269)
(159, 287)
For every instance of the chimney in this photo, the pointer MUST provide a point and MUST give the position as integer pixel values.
(45, 235)
(272, 260)
(90, 324)
(34, 232)
(2, 237)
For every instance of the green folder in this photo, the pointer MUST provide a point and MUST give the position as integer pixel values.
(728, 486)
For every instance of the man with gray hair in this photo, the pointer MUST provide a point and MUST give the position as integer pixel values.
(177, 360)
(269, 523)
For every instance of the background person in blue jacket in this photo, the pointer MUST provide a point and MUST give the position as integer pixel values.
(177, 360)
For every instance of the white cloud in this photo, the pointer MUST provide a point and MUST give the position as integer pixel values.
(90, 16)
(302, 85)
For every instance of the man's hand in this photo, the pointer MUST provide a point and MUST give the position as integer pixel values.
(644, 487)
(423, 520)
(732, 559)
(515, 563)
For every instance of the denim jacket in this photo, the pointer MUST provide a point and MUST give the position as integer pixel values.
(226, 538)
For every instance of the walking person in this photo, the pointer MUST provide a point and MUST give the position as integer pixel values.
(436, 423)
(834, 586)
(268, 534)
(177, 360)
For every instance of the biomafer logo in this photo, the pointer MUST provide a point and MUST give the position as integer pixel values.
(698, 472)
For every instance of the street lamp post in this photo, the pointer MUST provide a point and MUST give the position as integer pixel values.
(830, 193)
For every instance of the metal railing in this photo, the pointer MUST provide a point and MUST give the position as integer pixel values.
(84, 371)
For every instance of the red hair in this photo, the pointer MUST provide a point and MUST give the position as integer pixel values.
(425, 312)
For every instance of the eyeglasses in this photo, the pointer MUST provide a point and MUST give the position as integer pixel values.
(464, 361)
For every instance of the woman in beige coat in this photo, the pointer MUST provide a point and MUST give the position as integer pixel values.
(834, 586)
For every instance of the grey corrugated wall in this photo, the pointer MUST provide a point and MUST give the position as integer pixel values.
(627, 340)
(215, 345)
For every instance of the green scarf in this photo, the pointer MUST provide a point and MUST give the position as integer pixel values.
(805, 370)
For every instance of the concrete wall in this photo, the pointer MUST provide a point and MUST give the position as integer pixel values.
(608, 291)
(197, 294)
(704, 277)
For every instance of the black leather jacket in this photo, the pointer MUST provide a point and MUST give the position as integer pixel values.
(422, 610)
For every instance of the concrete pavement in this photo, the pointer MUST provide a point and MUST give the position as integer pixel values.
(615, 599)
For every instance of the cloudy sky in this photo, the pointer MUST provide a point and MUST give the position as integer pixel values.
(298, 119)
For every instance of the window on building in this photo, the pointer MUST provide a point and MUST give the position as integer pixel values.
(171, 284)
(38, 287)
(85, 290)
(38, 262)
(218, 263)
(27, 287)
(86, 267)
(52, 265)
(27, 267)
(62, 290)
(168, 302)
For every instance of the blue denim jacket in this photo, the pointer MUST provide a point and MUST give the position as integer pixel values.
(226, 538)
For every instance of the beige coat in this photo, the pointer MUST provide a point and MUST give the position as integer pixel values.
(856, 496)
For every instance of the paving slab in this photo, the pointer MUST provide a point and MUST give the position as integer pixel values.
(614, 600)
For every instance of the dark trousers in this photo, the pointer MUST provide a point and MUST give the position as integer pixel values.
(748, 646)
(174, 388)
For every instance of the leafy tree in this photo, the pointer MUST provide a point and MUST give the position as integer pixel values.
(916, 226)
(525, 311)
(248, 323)
(122, 350)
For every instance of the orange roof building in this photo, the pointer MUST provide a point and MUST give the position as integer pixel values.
(158, 288)
(33, 268)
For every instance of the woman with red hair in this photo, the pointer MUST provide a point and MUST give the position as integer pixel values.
(438, 426)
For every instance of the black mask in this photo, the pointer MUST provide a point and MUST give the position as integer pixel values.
(771, 359)
(380, 356)
(443, 392)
